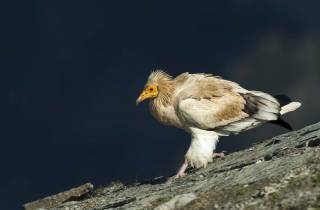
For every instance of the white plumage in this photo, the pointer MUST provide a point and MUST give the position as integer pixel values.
(207, 107)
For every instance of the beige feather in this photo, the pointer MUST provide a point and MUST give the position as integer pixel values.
(208, 106)
(199, 100)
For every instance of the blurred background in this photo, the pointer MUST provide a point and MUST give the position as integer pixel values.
(72, 70)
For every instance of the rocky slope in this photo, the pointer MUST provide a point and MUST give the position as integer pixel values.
(279, 173)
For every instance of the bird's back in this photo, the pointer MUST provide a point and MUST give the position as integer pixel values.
(211, 103)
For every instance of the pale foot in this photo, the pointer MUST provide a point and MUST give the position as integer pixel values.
(218, 155)
(182, 170)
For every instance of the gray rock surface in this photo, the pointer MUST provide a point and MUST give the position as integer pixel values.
(177, 202)
(54, 200)
(278, 173)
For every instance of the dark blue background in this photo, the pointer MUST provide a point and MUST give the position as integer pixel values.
(72, 70)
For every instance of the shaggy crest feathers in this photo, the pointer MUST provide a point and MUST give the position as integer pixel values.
(165, 86)
(158, 75)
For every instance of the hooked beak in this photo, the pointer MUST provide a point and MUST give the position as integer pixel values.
(150, 91)
(141, 98)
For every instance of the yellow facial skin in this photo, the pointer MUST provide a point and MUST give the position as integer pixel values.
(150, 91)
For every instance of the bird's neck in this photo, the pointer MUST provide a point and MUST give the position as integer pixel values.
(162, 108)
(166, 89)
(160, 105)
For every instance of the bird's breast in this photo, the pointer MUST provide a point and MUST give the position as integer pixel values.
(165, 115)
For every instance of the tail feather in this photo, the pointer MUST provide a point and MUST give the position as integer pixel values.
(261, 108)
(290, 107)
(287, 105)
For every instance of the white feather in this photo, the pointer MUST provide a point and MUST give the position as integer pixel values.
(241, 126)
(203, 143)
(265, 96)
(268, 107)
(265, 116)
(290, 107)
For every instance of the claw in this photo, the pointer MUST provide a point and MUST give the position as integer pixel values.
(182, 170)
(179, 175)
(218, 155)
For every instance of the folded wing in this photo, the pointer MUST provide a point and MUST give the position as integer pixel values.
(211, 103)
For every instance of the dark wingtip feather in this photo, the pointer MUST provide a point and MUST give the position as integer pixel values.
(282, 123)
(283, 99)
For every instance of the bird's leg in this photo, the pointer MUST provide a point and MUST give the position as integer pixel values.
(218, 155)
(181, 172)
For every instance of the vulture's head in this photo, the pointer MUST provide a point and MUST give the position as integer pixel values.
(158, 83)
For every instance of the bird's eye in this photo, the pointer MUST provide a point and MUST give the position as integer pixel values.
(151, 89)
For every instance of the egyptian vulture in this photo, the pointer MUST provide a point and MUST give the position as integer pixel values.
(208, 107)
